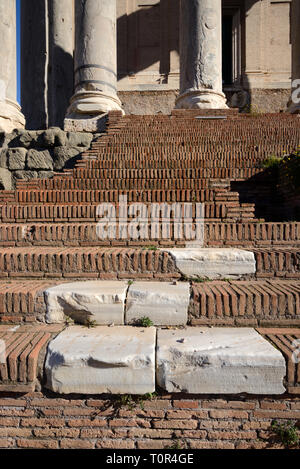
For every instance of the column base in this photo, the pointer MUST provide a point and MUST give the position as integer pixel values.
(11, 116)
(93, 102)
(201, 99)
(88, 109)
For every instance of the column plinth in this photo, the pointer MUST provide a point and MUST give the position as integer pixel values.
(11, 116)
(201, 55)
(95, 61)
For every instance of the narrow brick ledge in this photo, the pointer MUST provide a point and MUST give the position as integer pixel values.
(22, 349)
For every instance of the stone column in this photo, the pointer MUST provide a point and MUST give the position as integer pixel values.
(201, 55)
(61, 47)
(95, 60)
(10, 111)
(34, 63)
(47, 44)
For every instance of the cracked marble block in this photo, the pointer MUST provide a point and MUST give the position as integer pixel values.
(214, 263)
(99, 301)
(165, 303)
(114, 360)
(218, 361)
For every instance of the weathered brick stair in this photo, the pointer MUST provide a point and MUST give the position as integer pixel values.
(48, 237)
(232, 303)
(28, 231)
(95, 262)
(287, 341)
(22, 356)
(49, 232)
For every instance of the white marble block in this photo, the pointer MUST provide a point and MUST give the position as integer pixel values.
(100, 301)
(214, 263)
(165, 303)
(116, 360)
(218, 361)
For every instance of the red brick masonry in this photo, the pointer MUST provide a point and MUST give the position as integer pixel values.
(199, 422)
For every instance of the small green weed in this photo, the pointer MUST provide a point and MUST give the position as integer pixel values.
(144, 322)
(176, 445)
(69, 321)
(90, 323)
(272, 162)
(124, 400)
(287, 432)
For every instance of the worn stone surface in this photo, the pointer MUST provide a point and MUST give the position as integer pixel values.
(63, 155)
(218, 361)
(29, 154)
(86, 123)
(45, 174)
(201, 55)
(5, 179)
(148, 102)
(79, 139)
(16, 158)
(53, 137)
(22, 138)
(117, 360)
(214, 263)
(163, 303)
(39, 159)
(100, 301)
(25, 175)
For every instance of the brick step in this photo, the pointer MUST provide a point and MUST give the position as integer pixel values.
(155, 173)
(7, 196)
(85, 262)
(189, 140)
(76, 212)
(144, 195)
(181, 143)
(287, 341)
(25, 350)
(243, 303)
(162, 163)
(70, 184)
(247, 234)
(173, 159)
(279, 262)
(98, 262)
(264, 303)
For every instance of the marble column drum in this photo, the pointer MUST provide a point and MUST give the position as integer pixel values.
(95, 59)
(201, 55)
(10, 111)
(61, 65)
